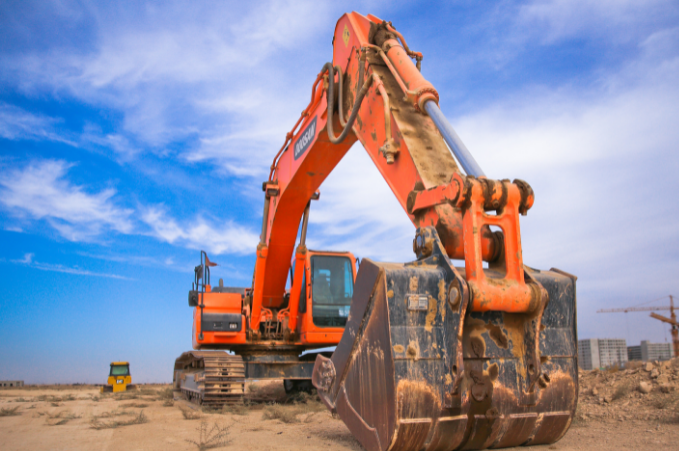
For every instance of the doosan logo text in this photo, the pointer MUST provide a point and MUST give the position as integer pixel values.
(306, 139)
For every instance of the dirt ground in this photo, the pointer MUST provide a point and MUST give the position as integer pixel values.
(80, 418)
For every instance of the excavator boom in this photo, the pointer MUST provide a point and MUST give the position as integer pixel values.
(430, 355)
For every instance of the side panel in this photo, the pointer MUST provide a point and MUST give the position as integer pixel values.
(222, 319)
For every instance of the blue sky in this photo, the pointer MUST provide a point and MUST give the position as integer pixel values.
(134, 135)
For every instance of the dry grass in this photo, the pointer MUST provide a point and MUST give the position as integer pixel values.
(60, 418)
(165, 394)
(613, 369)
(126, 395)
(138, 419)
(214, 437)
(236, 409)
(210, 410)
(579, 419)
(140, 405)
(190, 414)
(112, 414)
(55, 387)
(55, 400)
(666, 402)
(286, 414)
(252, 388)
(9, 411)
(168, 403)
(622, 391)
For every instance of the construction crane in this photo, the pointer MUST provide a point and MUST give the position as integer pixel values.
(672, 320)
(429, 355)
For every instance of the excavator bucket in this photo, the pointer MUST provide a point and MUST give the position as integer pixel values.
(417, 370)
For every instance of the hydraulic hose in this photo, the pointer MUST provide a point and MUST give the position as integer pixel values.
(331, 101)
(464, 157)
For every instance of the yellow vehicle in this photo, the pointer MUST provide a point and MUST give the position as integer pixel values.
(119, 379)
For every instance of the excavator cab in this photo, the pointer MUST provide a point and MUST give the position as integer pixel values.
(324, 296)
(314, 310)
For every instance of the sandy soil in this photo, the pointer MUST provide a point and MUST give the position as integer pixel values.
(79, 418)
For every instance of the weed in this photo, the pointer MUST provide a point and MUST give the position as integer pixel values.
(61, 418)
(22, 400)
(165, 393)
(236, 409)
(252, 388)
(664, 402)
(168, 403)
(9, 411)
(135, 404)
(214, 437)
(344, 438)
(147, 391)
(126, 395)
(278, 412)
(622, 390)
(56, 404)
(190, 414)
(112, 413)
(139, 419)
(210, 410)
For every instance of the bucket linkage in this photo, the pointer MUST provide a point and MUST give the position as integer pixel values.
(418, 369)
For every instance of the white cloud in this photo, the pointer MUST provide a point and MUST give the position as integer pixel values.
(41, 191)
(163, 68)
(28, 258)
(226, 237)
(618, 20)
(30, 262)
(17, 124)
(357, 212)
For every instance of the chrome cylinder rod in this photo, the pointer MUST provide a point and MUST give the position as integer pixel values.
(466, 160)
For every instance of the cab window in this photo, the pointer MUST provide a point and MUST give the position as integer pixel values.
(120, 370)
(332, 287)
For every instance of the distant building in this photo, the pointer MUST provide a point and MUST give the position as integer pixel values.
(11, 383)
(601, 353)
(650, 351)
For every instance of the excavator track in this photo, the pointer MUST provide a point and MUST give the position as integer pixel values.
(210, 378)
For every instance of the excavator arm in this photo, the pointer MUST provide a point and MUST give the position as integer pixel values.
(433, 356)
(378, 96)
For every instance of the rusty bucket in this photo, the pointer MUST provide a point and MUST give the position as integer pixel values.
(416, 369)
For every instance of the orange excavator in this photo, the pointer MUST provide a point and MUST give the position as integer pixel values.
(429, 355)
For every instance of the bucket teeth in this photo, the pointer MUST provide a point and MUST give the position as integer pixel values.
(415, 370)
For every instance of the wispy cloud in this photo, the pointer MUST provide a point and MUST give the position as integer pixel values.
(40, 191)
(226, 237)
(613, 20)
(163, 68)
(28, 260)
(17, 124)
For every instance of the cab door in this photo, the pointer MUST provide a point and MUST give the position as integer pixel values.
(325, 300)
